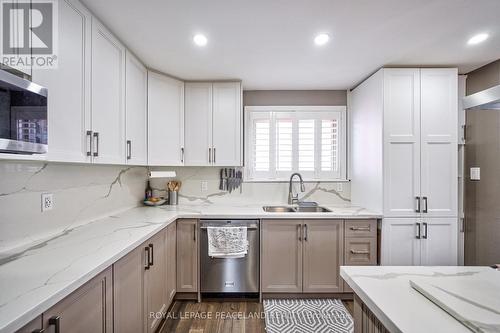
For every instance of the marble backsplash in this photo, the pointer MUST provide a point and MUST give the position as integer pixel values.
(251, 193)
(81, 193)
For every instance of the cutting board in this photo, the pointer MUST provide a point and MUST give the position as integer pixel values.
(474, 300)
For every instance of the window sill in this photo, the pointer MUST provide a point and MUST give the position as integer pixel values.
(306, 180)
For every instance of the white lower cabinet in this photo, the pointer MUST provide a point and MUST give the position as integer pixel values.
(417, 241)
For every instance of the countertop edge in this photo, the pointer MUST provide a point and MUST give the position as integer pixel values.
(381, 316)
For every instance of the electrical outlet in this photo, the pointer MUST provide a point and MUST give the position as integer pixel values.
(47, 201)
(204, 186)
(340, 187)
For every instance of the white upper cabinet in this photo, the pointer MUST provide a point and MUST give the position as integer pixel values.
(108, 96)
(165, 120)
(69, 86)
(136, 82)
(226, 124)
(401, 141)
(18, 33)
(213, 121)
(439, 166)
(198, 124)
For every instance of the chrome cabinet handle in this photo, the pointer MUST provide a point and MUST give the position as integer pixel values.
(360, 228)
(214, 154)
(89, 143)
(425, 230)
(209, 155)
(56, 322)
(129, 149)
(418, 236)
(299, 232)
(147, 249)
(151, 259)
(425, 205)
(418, 205)
(305, 232)
(182, 154)
(96, 139)
(360, 252)
(194, 232)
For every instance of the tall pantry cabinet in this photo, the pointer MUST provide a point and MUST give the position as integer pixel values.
(404, 161)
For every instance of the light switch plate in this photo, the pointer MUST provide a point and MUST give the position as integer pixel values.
(204, 186)
(475, 173)
(47, 201)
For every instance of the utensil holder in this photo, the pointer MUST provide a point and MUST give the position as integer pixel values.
(173, 198)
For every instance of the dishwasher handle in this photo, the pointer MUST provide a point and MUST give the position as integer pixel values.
(249, 227)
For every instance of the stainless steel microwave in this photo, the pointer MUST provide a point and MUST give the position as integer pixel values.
(23, 116)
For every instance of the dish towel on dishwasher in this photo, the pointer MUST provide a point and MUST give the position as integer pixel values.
(227, 242)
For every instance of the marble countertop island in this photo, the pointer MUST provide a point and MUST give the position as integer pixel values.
(36, 277)
(387, 291)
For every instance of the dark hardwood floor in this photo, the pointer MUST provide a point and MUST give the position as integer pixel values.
(218, 317)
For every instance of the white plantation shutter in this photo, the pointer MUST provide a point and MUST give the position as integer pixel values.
(282, 140)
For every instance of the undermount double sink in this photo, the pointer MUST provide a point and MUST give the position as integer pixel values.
(295, 209)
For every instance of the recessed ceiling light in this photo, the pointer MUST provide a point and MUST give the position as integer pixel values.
(321, 39)
(200, 40)
(479, 38)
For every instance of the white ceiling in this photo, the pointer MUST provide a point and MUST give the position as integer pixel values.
(269, 43)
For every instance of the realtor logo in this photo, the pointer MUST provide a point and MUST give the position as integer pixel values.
(29, 33)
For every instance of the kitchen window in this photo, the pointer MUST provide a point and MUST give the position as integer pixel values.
(308, 139)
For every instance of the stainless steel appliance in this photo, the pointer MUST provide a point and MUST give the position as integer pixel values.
(23, 116)
(231, 275)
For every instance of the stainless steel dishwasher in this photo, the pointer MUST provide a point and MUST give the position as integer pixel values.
(230, 276)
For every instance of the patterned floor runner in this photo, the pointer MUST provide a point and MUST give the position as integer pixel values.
(307, 315)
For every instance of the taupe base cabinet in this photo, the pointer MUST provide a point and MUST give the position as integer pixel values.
(304, 256)
(187, 256)
(88, 309)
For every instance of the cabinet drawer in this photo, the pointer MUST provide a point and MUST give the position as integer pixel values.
(361, 228)
(360, 251)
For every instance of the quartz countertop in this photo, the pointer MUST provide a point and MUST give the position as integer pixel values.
(37, 277)
(387, 292)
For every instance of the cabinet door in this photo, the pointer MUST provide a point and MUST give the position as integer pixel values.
(171, 267)
(401, 141)
(198, 124)
(69, 86)
(439, 242)
(136, 82)
(34, 326)
(155, 282)
(128, 290)
(400, 243)
(187, 255)
(108, 96)
(281, 256)
(227, 123)
(88, 309)
(165, 120)
(323, 256)
(439, 99)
